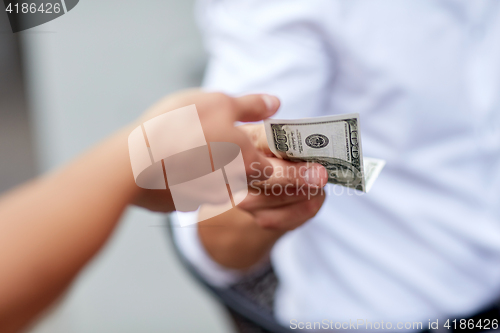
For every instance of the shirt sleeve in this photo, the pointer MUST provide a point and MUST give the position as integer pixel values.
(189, 244)
(259, 46)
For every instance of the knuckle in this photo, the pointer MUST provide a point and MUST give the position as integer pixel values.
(220, 101)
(289, 179)
(267, 223)
(254, 135)
(219, 96)
(223, 100)
(283, 199)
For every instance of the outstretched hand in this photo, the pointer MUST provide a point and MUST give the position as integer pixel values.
(218, 114)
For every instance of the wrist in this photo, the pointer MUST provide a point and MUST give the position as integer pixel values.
(234, 239)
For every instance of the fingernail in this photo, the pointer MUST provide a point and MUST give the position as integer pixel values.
(312, 176)
(272, 102)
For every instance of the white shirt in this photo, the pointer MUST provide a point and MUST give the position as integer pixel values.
(425, 77)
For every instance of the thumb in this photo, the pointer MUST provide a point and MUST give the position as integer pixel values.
(255, 107)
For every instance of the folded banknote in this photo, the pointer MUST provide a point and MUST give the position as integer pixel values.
(332, 141)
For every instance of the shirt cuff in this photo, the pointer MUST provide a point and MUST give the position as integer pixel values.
(190, 246)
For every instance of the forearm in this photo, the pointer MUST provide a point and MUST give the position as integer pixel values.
(51, 227)
(235, 241)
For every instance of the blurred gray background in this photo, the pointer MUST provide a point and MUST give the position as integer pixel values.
(66, 85)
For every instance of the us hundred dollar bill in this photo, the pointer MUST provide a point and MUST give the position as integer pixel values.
(332, 141)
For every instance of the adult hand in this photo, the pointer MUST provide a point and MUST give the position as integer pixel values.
(218, 114)
(241, 237)
(52, 226)
(293, 194)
